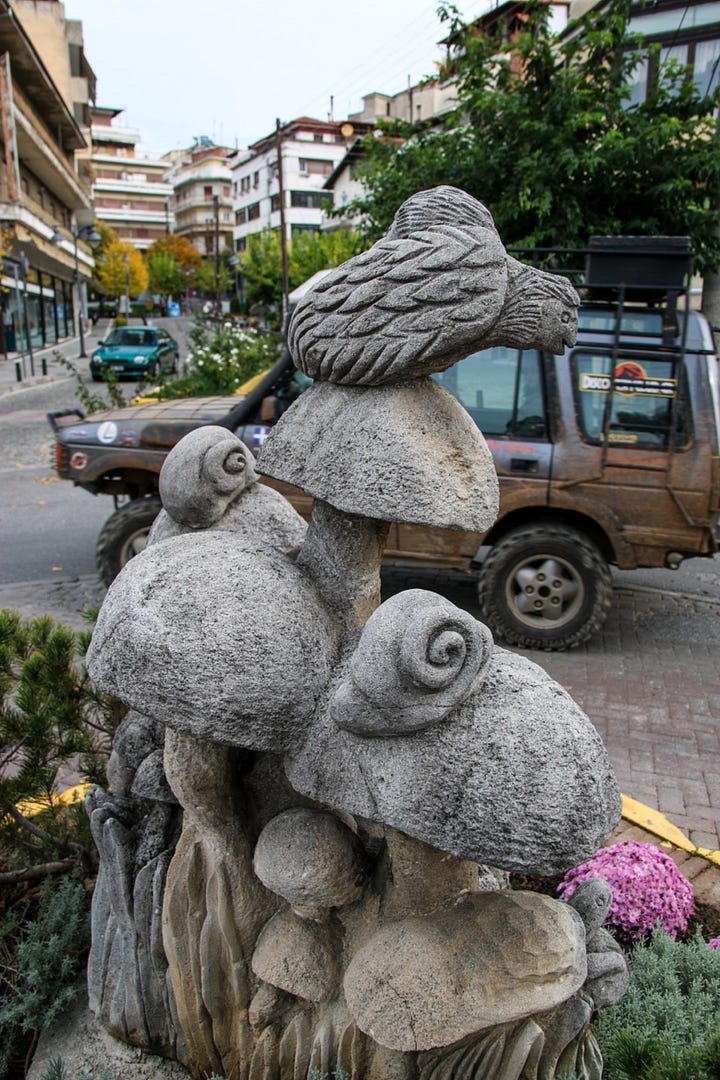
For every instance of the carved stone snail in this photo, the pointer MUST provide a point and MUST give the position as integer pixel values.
(209, 481)
(418, 657)
(203, 473)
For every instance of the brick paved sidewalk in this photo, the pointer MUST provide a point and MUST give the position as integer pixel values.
(650, 683)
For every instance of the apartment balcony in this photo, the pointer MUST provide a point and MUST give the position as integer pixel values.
(132, 188)
(45, 159)
(135, 217)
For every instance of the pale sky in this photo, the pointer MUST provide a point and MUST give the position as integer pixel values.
(229, 68)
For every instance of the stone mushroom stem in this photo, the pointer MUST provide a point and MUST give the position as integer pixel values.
(343, 555)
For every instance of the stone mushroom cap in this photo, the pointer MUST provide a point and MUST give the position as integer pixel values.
(407, 452)
(311, 859)
(297, 956)
(494, 958)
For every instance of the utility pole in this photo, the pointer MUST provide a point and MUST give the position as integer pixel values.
(216, 215)
(283, 235)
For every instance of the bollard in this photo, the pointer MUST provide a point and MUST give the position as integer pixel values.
(18, 371)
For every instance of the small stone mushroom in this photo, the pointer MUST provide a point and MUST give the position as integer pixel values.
(298, 956)
(311, 859)
(493, 958)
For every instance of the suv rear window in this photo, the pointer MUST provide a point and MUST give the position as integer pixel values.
(502, 389)
(646, 392)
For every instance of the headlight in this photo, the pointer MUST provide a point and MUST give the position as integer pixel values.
(142, 359)
(96, 356)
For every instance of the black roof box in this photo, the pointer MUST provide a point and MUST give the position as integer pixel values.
(647, 266)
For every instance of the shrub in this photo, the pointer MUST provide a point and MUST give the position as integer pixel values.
(50, 715)
(667, 1027)
(222, 357)
(40, 968)
(648, 889)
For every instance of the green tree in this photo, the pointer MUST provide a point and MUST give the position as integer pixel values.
(111, 266)
(187, 257)
(205, 277)
(166, 277)
(261, 262)
(310, 252)
(261, 267)
(547, 136)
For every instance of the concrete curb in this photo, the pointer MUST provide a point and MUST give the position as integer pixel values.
(652, 821)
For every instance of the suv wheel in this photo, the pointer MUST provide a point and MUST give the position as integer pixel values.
(545, 587)
(124, 535)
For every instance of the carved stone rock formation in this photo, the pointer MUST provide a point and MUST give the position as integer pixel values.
(344, 766)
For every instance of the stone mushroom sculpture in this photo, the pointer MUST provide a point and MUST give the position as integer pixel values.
(414, 747)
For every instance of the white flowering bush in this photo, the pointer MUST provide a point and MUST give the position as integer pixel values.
(648, 889)
(222, 357)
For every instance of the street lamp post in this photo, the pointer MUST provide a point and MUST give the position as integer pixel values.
(24, 266)
(89, 233)
(234, 262)
(126, 262)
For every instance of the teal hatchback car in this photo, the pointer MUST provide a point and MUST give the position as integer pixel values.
(140, 351)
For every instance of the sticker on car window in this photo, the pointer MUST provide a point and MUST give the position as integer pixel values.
(630, 378)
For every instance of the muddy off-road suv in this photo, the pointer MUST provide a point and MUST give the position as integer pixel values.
(607, 455)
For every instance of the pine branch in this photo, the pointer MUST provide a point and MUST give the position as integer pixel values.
(41, 834)
(31, 873)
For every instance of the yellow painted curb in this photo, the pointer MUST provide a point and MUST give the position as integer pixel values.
(36, 806)
(656, 823)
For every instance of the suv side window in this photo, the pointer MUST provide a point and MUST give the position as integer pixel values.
(502, 389)
(645, 393)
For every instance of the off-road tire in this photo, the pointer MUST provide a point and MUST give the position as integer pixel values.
(123, 535)
(537, 570)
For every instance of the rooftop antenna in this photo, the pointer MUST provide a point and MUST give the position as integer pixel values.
(331, 115)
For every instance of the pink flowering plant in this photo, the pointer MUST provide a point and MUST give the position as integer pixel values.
(648, 889)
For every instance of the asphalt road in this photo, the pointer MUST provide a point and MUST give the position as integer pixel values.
(48, 528)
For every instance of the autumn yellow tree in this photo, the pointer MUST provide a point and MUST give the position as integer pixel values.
(120, 267)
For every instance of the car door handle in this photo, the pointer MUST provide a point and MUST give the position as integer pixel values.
(526, 465)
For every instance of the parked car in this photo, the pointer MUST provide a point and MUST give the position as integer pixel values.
(140, 351)
(608, 454)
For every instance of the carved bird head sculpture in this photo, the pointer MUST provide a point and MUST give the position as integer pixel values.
(437, 287)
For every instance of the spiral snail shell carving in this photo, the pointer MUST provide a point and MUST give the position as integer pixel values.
(418, 657)
(202, 475)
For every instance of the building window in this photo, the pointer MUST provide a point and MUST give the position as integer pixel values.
(207, 191)
(256, 178)
(315, 167)
(298, 230)
(707, 61)
(244, 185)
(253, 212)
(241, 216)
(226, 191)
(241, 243)
(274, 202)
(311, 200)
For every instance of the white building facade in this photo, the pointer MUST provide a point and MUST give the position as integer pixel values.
(307, 151)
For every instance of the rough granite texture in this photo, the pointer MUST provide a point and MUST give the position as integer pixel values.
(408, 452)
(436, 288)
(208, 481)
(516, 776)
(216, 636)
